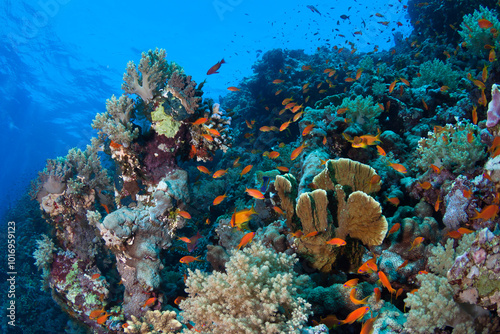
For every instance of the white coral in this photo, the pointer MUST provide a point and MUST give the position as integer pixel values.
(257, 294)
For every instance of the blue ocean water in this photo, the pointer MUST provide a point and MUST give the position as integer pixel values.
(61, 59)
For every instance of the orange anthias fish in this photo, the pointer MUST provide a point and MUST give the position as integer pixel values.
(233, 89)
(307, 129)
(393, 200)
(352, 297)
(273, 155)
(398, 167)
(392, 85)
(188, 259)
(357, 314)
(96, 313)
(242, 216)
(218, 200)
(179, 299)
(102, 319)
(402, 265)
(368, 267)
(484, 23)
(385, 282)
(463, 230)
(278, 210)
(216, 67)
(487, 213)
(278, 81)
(255, 193)
(246, 239)
(297, 151)
(283, 169)
(204, 169)
(185, 239)
(394, 229)
(351, 283)
(207, 137)
(246, 170)
(149, 302)
(425, 185)
(219, 173)
(368, 326)
(336, 242)
(184, 214)
(377, 294)
(416, 242)
(96, 276)
(200, 121)
(311, 234)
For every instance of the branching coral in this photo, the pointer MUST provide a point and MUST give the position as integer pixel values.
(448, 147)
(259, 293)
(477, 37)
(152, 69)
(181, 96)
(115, 123)
(363, 111)
(436, 72)
(154, 322)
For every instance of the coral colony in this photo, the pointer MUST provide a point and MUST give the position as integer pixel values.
(340, 191)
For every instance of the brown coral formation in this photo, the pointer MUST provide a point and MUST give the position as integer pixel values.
(154, 322)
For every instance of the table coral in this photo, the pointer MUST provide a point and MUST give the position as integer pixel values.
(259, 293)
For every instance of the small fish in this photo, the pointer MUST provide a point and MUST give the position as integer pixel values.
(278, 210)
(246, 239)
(436, 205)
(436, 169)
(207, 137)
(102, 319)
(342, 110)
(307, 129)
(96, 313)
(355, 315)
(179, 299)
(416, 242)
(463, 230)
(285, 125)
(203, 169)
(385, 282)
(96, 276)
(351, 283)
(381, 151)
(336, 242)
(149, 302)
(115, 145)
(233, 89)
(425, 185)
(392, 85)
(403, 265)
(185, 239)
(399, 292)
(219, 173)
(398, 167)
(484, 23)
(278, 92)
(423, 272)
(487, 213)
(467, 193)
(358, 74)
(406, 82)
(393, 200)
(297, 151)
(236, 163)
(273, 155)
(246, 170)
(368, 325)
(214, 132)
(394, 229)
(218, 200)
(474, 115)
(188, 259)
(278, 81)
(283, 169)
(311, 234)
(200, 121)
(184, 214)
(454, 234)
(254, 193)
(352, 297)
(216, 67)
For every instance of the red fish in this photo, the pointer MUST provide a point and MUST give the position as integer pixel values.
(394, 229)
(336, 242)
(216, 67)
(149, 302)
(255, 193)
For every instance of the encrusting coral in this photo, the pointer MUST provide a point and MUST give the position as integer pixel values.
(258, 294)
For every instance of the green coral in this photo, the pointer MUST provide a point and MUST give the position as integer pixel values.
(43, 253)
(448, 147)
(363, 111)
(477, 37)
(438, 73)
(164, 124)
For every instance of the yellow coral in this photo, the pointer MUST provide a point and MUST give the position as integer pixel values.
(347, 173)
